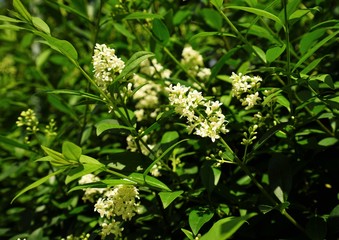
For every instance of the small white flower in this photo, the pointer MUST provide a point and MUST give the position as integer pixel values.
(250, 100)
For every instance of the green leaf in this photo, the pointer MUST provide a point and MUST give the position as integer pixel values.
(325, 78)
(207, 34)
(169, 137)
(316, 228)
(265, 208)
(133, 63)
(329, 141)
(114, 182)
(39, 24)
(212, 18)
(312, 65)
(121, 28)
(57, 158)
(62, 46)
(308, 40)
(151, 181)
(333, 221)
(20, 8)
(260, 52)
(84, 159)
(274, 52)
(226, 227)
(180, 16)
(188, 234)
(197, 218)
(13, 143)
(76, 93)
(217, 3)
(37, 183)
(71, 151)
(299, 13)
(312, 50)
(11, 27)
(8, 19)
(108, 124)
(284, 102)
(168, 197)
(259, 12)
(142, 15)
(58, 103)
(160, 31)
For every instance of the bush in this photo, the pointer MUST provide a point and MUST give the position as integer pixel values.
(169, 120)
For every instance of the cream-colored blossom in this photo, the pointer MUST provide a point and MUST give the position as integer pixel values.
(245, 88)
(106, 65)
(192, 60)
(203, 116)
(119, 201)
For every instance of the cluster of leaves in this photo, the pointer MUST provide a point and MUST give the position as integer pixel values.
(283, 186)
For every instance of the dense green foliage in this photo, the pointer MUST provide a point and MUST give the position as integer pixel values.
(279, 180)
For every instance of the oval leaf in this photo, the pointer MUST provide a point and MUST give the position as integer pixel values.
(329, 141)
(197, 218)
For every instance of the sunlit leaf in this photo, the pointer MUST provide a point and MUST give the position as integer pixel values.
(20, 8)
(148, 180)
(71, 151)
(108, 124)
(259, 12)
(133, 63)
(329, 141)
(41, 25)
(274, 52)
(226, 227)
(217, 3)
(168, 197)
(142, 15)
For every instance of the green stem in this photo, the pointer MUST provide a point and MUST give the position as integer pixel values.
(288, 55)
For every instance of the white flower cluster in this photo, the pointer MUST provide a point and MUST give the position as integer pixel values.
(194, 63)
(119, 201)
(106, 65)
(203, 116)
(147, 95)
(90, 193)
(245, 88)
